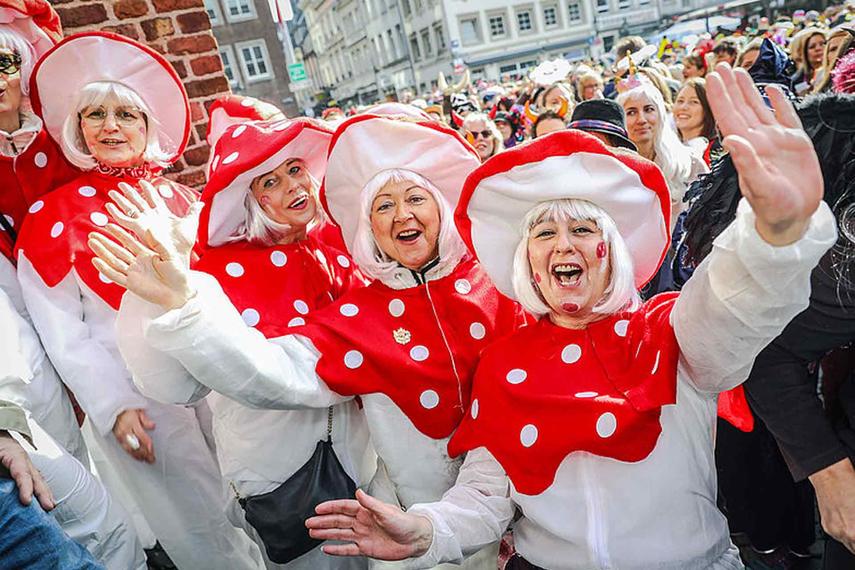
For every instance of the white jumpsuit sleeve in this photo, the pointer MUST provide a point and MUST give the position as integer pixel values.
(471, 515)
(209, 338)
(92, 371)
(15, 373)
(742, 296)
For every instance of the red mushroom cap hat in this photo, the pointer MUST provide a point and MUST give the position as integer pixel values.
(366, 145)
(245, 151)
(230, 109)
(36, 20)
(393, 108)
(563, 165)
(89, 57)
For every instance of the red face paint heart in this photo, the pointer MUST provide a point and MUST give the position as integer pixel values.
(537, 278)
(601, 250)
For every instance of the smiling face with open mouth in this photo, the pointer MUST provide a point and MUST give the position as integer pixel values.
(285, 194)
(405, 221)
(114, 133)
(570, 266)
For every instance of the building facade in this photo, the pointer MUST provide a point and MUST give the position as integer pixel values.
(251, 50)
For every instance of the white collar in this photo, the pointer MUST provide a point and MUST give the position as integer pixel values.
(14, 144)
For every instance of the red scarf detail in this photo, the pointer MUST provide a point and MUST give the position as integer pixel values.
(55, 233)
(419, 346)
(274, 287)
(547, 391)
(142, 172)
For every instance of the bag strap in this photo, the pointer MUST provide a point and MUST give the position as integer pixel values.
(329, 424)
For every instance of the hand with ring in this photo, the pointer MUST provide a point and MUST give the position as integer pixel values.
(130, 431)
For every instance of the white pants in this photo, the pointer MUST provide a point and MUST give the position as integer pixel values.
(182, 494)
(84, 510)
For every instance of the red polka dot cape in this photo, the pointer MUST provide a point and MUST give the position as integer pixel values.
(419, 346)
(56, 230)
(275, 287)
(547, 391)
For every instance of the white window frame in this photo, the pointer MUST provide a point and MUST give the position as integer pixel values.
(570, 20)
(531, 25)
(252, 15)
(479, 37)
(233, 64)
(245, 72)
(624, 4)
(602, 6)
(556, 12)
(439, 37)
(214, 7)
(427, 44)
(504, 18)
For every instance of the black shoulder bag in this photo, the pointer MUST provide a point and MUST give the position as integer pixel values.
(279, 516)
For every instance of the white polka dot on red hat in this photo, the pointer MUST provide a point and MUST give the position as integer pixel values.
(621, 326)
(36, 206)
(250, 317)
(99, 218)
(429, 399)
(571, 353)
(396, 307)
(586, 394)
(238, 131)
(476, 407)
(462, 286)
(247, 102)
(419, 353)
(87, 191)
(296, 322)
(477, 331)
(231, 158)
(9, 220)
(234, 269)
(528, 435)
(56, 229)
(606, 425)
(278, 258)
(516, 376)
(301, 307)
(343, 261)
(40, 159)
(348, 310)
(215, 162)
(353, 359)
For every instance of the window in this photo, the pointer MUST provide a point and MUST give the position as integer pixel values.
(440, 38)
(574, 12)
(405, 6)
(470, 33)
(255, 61)
(402, 42)
(624, 4)
(508, 69)
(227, 54)
(643, 2)
(414, 48)
(497, 26)
(524, 21)
(602, 6)
(550, 17)
(390, 44)
(212, 7)
(239, 10)
(426, 42)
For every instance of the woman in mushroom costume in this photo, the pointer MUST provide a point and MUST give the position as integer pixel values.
(119, 112)
(406, 344)
(259, 237)
(598, 421)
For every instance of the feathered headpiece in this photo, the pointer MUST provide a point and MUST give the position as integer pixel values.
(843, 76)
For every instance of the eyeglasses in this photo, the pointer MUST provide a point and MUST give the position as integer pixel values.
(10, 63)
(124, 116)
(483, 134)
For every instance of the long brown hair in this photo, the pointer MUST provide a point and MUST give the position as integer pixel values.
(699, 84)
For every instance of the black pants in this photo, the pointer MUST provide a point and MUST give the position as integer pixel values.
(836, 557)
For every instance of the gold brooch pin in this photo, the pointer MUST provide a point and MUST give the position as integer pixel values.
(402, 336)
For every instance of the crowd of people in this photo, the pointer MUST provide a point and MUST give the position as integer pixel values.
(598, 318)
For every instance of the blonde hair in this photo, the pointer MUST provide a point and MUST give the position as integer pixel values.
(620, 294)
(498, 140)
(367, 253)
(93, 94)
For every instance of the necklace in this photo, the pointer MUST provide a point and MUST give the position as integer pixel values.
(143, 171)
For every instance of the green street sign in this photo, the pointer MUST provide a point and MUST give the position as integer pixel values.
(296, 71)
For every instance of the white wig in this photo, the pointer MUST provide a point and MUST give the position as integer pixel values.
(94, 94)
(11, 39)
(368, 255)
(498, 139)
(672, 156)
(620, 294)
(260, 229)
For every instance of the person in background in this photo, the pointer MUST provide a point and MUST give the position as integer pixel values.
(694, 119)
(811, 50)
(483, 134)
(604, 119)
(508, 125)
(694, 66)
(547, 122)
(748, 55)
(589, 86)
(726, 51)
(840, 41)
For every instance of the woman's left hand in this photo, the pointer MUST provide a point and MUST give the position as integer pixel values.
(778, 169)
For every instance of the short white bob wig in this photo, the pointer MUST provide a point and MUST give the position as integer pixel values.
(368, 255)
(12, 39)
(94, 94)
(260, 229)
(620, 294)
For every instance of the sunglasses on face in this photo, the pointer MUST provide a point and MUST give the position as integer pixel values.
(10, 63)
(483, 134)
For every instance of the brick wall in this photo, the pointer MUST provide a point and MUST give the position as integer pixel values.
(180, 30)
